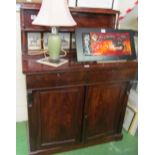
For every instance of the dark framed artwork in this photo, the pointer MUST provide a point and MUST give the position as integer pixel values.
(97, 44)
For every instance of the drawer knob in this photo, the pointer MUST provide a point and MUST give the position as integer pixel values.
(86, 116)
(58, 74)
(112, 70)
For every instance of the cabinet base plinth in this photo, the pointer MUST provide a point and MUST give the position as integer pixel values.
(76, 146)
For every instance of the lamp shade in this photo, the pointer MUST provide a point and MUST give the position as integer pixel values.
(54, 13)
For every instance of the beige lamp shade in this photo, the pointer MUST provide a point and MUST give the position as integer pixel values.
(54, 13)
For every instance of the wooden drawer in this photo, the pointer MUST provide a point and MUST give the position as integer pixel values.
(111, 75)
(54, 79)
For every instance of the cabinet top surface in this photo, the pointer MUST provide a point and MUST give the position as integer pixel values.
(31, 66)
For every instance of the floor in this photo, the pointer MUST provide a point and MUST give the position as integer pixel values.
(127, 146)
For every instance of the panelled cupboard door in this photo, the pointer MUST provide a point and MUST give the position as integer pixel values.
(58, 116)
(103, 108)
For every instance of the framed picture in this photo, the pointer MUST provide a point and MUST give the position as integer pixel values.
(129, 115)
(95, 3)
(45, 40)
(72, 3)
(65, 40)
(97, 44)
(73, 41)
(135, 33)
(34, 41)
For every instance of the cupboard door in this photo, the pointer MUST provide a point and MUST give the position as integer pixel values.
(58, 116)
(103, 110)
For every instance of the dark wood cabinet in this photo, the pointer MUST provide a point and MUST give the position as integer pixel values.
(77, 104)
(67, 113)
(55, 117)
(102, 109)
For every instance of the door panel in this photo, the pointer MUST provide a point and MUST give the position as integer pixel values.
(104, 104)
(60, 113)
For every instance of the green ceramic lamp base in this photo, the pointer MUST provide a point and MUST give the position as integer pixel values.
(54, 45)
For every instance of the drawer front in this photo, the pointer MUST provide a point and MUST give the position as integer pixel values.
(55, 79)
(111, 75)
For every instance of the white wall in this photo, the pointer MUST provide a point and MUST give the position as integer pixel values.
(130, 21)
(21, 109)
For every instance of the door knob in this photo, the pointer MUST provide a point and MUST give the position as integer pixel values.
(86, 116)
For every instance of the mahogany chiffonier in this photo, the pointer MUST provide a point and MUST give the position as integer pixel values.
(77, 104)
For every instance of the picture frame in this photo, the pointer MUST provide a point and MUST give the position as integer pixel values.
(34, 41)
(73, 41)
(72, 3)
(65, 40)
(96, 3)
(129, 115)
(45, 40)
(135, 34)
(99, 44)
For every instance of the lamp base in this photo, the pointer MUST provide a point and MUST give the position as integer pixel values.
(54, 45)
(47, 61)
(57, 61)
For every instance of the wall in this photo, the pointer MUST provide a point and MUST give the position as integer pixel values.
(131, 19)
(21, 110)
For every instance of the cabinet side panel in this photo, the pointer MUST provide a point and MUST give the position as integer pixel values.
(33, 121)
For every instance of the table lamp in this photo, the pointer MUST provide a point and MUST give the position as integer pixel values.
(54, 13)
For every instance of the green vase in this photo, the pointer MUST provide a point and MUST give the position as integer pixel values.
(54, 47)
